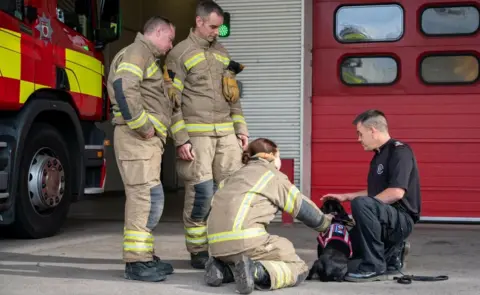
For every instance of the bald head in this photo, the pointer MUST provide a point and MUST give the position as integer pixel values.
(155, 23)
(161, 32)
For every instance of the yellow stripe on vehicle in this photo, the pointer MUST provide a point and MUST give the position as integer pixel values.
(10, 67)
(27, 88)
(291, 198)
(248, 198)
(236, 235)
(194, 60)
(88, 71)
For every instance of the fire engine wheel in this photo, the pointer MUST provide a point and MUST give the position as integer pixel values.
(45, 192)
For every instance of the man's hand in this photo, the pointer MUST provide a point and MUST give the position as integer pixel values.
(150, 133)
(338, 197)
(244, 140)
(185, 152)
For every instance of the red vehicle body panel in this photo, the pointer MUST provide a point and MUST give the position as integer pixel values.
(441, 123)
(40, 57)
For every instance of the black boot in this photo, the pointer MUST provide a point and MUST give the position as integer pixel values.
(163, 267)
(398, 261)
(198, 260)
(143, 271)
(248, 273)
(217, 272)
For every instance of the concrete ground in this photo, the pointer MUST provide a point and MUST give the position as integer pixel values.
(85, 258)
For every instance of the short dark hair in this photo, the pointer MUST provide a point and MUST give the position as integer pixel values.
(372, 118)
(152, 23)
(206, 7)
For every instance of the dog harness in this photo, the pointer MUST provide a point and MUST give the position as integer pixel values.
(336, 232)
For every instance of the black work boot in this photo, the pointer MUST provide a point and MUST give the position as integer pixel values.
(163, 267)
(398, 261)
(199, 259)
(217, 272)
(248, 273)
(143, 271)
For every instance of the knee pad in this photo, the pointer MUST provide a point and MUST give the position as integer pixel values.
(157, 201)
(202, 200)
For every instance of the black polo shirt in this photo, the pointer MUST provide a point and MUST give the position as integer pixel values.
(394, 166)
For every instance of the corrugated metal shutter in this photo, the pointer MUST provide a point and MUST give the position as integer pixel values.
(266, 36)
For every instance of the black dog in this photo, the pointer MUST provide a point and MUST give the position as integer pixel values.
(334, 247)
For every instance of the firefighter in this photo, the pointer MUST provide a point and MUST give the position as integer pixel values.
(240, 247)
(208, 128)
(141, 113)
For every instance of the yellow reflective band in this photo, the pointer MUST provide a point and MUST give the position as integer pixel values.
(194, 60)
(238, 119)
(178, 84)
(128, 67)
(151, 70)
(236, 235)
(158, 125)
(292, 197)
(247, 199)
(280, 275)
(288, 275)
(222, 59)
(196, 231)
(210, 127)
(196, 241)
(177, 126)
(138, 238)
(139, 122)
(137, 247)
(117, 114)
(221, 184)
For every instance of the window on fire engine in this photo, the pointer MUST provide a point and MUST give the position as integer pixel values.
(449, 69)
(368, 70)
(369, 23)
(76, 15)
(455, 20)
(12, 7)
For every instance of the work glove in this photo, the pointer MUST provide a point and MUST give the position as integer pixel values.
(230, 85)
(172, 93)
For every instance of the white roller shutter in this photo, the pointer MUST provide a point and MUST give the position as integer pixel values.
(266, 36)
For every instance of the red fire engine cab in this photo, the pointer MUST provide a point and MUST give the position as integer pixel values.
(52, 94)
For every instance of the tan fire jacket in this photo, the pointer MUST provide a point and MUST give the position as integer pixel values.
(136, 89)
(199, 67)
(248, 200)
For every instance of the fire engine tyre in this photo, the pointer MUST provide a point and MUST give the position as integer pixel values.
(45, 184)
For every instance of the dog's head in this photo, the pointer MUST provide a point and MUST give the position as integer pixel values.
(335, 208)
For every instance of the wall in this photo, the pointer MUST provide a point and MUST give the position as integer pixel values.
(134, 14)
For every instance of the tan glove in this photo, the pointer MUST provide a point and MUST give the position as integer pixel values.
(172, 93)
(230, 85)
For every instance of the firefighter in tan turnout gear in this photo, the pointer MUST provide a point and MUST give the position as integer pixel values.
(240, 247)
(142, 112)
(208, 126)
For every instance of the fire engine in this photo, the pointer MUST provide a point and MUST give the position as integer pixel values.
(52, 95)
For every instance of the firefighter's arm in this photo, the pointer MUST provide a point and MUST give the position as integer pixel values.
(126, 85)
(239, 122)
(177, 73)
(293, 202)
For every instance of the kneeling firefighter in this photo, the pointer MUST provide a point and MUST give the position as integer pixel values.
(240, 248)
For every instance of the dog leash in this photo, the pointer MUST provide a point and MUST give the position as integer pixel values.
(407, 279)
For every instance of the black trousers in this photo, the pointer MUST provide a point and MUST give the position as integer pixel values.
(378, 234)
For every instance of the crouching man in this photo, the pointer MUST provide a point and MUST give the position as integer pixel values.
(386, 212)
(241, 249)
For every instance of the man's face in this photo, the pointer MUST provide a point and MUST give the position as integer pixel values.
(208, 27)
(163, 38)
(366, 137)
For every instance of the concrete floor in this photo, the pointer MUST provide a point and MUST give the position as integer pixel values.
(85, 258)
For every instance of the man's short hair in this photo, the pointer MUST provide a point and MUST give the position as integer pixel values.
(372, 118)
(153, 23)
(206, 7)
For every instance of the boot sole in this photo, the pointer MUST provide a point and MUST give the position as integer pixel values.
(243, 275)
(213, 276)
(383, 277)
(152, 278)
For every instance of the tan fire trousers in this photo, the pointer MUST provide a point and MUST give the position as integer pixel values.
(215, 159)
(278, 257)
(139, 161)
